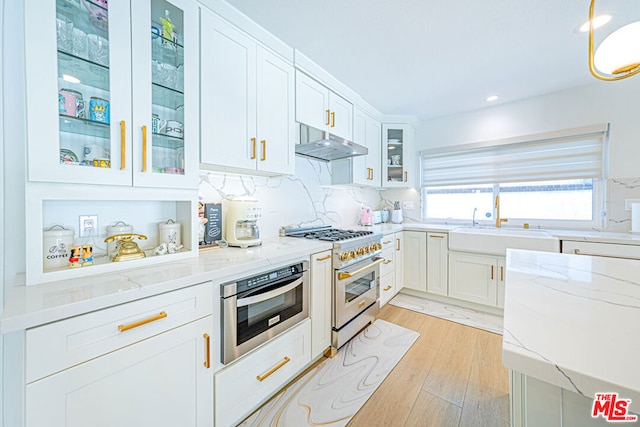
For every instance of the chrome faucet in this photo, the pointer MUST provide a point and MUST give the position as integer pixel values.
(499, 220)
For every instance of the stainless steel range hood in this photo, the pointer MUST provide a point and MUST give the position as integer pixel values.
(321, 145)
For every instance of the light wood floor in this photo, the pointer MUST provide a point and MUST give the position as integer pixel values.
(451, 376)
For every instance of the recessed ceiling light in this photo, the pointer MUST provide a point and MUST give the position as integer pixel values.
(70, 79)
(491, 98)
(598, 22)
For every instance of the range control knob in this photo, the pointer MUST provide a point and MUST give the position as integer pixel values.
(360, 251)
(372, 247)
(366, 249)
(352, 254)
(344, 256)
(378, 246)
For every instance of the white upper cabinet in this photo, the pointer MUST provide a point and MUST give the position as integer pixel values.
(319, 107)
(112, 95)
(398, 155)
(247, 102)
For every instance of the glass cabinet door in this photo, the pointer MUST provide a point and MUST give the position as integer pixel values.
(165, 118)
(395, 157)
(77, 117)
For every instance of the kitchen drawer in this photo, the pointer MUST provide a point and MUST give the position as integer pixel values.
(238, 391)
(601, 249)
(388, 265)
(387, 287)
(388, 241)
(57, 346)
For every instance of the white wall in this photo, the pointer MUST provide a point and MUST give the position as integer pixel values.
(2, 240)
(614, 102)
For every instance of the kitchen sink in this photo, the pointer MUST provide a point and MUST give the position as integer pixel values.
(495, 241)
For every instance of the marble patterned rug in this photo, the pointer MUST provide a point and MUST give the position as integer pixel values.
(333, 391)
(465, 316)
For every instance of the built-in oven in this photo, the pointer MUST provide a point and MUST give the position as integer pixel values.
(355, 303)
(257, 308)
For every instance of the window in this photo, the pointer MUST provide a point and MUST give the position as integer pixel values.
(551, 180)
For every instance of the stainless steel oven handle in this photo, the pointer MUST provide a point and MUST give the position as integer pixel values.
(242, 302)
(342, 276)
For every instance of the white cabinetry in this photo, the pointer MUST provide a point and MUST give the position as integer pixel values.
(320, 107)
(361, 170)
(414, 260)
(613, 250)
(389, 286)
(398, 155)
(146, 363)
(95, 80)
(477, 278)
(243, 385)
(321, 282)
(247, 102)
(437, 263)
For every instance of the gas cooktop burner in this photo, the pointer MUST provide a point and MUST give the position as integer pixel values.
(334, 234)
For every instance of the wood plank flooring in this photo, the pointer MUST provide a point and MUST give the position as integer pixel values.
(451, 376)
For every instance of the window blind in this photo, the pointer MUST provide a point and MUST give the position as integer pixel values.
(572, 154)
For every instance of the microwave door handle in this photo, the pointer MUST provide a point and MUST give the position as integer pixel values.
(241, 302)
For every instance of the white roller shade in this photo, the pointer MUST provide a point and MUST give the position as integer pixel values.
(557, 156)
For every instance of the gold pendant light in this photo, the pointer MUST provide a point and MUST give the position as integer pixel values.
(619, 53)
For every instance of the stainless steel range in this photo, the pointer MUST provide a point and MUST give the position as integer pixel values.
(356, 277)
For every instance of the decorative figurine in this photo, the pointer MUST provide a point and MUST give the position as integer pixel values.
(161, 249)
(172, 248)
(87, 255)
(75, 256)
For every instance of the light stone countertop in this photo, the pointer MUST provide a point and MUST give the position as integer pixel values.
(573, 321)
(29, 306)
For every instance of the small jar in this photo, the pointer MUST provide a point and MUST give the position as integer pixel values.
(57, 242)
(169, 232)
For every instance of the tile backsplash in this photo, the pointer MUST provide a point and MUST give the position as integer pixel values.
(618, 219)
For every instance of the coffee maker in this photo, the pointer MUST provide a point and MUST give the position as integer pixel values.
(241, 223)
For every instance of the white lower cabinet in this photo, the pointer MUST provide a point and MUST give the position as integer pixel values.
(391, 267)
(437, 263)
(143, 363)
(414, 260)
(321, 283)
(160, 381)
(477, 278)
(244, 385)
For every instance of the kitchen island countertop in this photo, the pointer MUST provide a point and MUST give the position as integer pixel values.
(29, 306)
(572, 321)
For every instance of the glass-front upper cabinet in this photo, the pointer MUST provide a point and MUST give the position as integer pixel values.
(88, 110)
(398, 157)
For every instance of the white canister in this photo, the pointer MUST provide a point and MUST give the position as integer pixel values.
(57, 242)
(117, 228)
(169, 232)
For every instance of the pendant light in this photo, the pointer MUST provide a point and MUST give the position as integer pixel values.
(618, 55)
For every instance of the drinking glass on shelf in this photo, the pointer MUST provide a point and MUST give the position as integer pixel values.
(98, 49)
(64, 33)
(80, 45)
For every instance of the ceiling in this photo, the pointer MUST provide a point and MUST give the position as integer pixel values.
(431, 58)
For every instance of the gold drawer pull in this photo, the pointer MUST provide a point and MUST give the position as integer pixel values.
(398, 243)
(158, 316)
(389, 261)
(207, 360)
(361, 304)
(436, 237)
(492, 272)
(272, 370)
(387, 288)
(387, 242)
(324, 258)
(502, 274)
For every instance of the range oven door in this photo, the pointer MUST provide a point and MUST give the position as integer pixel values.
(251, 318)
(355, 289)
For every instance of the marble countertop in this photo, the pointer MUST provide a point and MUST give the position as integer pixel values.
(572, 321)
(29, 306)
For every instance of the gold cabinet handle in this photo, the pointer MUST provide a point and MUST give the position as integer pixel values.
(387, 242)
(502, 274)
(342, 276)
(492, 272)
(372, 175)
(388, 261)
(398, 244)
(333, 119)
(253, 155)
(436, 236)
(161, 315)
(406, 176)
(144, 148)
(264, 149)
(387, 288)
(328, 117)
(207, 344)
(324, 258)
(272, 370)
(361, 304)
(123, 136)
